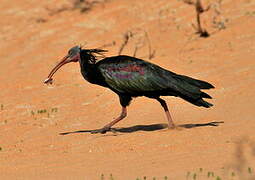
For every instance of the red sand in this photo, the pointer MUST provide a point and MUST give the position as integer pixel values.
(32, 41)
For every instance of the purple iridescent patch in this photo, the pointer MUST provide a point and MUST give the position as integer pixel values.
(116, 71)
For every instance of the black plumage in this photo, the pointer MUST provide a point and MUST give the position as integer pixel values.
(131, 77)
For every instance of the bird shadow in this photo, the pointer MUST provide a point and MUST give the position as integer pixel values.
(188, 126)
(151, 127)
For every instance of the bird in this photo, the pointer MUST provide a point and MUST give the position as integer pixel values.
(131, 77)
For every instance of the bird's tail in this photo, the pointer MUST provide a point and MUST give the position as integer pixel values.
(190, 90)
(198, 83)
(197, 101)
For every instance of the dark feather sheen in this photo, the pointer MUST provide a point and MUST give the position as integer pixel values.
(131, 77)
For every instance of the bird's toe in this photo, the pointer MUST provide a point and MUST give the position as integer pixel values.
(171, 126)
(102, 131)
(175, 127)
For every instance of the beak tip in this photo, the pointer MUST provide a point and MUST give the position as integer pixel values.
(48, 81)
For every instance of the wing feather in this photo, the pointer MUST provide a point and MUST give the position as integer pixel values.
(127, 75)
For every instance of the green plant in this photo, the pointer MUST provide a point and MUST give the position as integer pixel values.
(249, 170)
(102, 176)
(111, 177)
(195, 176)
(40, 112)
(187, 175)
(210, 174)
(54, 110)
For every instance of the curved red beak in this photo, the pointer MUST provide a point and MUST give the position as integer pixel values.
(65, 60)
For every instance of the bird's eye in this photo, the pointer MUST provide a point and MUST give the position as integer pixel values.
(70, 52)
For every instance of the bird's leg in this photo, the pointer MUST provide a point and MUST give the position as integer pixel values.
(169, 118)
(108, 126)
(122, 116)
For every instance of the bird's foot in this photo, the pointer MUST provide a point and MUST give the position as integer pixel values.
(102, 130)
(174, 127)
(171, 126)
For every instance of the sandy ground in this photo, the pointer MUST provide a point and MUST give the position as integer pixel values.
(34, 36)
